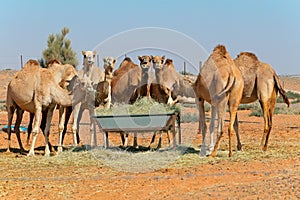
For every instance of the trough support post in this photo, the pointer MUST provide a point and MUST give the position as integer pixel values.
(106, 140)
(179, 128)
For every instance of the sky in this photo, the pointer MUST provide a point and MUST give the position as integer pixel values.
(268, 28)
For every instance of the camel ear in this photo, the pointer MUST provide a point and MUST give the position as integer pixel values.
(83, 52)
(104, 59)
(94, 52)
(140, 58)
(163, 57)
(151, 58)
(115, 60)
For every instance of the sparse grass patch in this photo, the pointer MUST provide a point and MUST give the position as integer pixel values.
(189, 117)
(249, 106)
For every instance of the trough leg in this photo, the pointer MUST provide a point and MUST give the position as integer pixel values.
(106, 144)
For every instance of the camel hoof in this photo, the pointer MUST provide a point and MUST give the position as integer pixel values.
(30, 154)
(239, 148)
(47, 155)
(59, 150)
(265, 148)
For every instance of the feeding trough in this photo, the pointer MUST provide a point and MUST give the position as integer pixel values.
(138, 123)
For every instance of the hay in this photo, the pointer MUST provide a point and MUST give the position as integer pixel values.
(141, 106)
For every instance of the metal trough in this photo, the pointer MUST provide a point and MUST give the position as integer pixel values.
(139, 123)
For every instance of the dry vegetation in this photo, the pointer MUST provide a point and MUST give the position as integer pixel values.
(128, 173)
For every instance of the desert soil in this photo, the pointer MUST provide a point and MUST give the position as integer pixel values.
(261, 176)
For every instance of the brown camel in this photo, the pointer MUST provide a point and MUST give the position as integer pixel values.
(126, 80)
(34, 89)
(101, 94)
(219, 83)
(261, 83)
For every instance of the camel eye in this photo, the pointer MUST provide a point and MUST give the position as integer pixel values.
(84, 56)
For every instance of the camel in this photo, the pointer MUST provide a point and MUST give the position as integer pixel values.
(261, 83)
(34, 89)
(101, 93)
(166, 77)
(93, 73)
(145, 64)
(126, 79)
(219, 83)
(63, 74)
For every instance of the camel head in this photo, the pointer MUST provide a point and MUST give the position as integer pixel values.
(145, 62)
(109, 66)
(169, 63)
(88, 57)
(158, 61)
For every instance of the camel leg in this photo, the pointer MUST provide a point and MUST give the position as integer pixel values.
(233, 107)
(92, 127)
(212, 127)
(153, 138)
(43, 126)
(135, 145)
(268, 109)
(36, 129)
(236, 129)
(20, 113)
(61, 127)
(221, 117)
(126, 140)
(68, 112)
(76, 121)
(10, 113)
(202, 124)
(122, 138)
(29, 128)
(159, 140)
(47, 128)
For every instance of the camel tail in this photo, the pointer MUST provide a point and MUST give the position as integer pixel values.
(281, 90)
(228, 86)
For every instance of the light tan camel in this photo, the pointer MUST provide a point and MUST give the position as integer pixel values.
(93, 73)
(219, 83)
(34, 89)
(261, 83)
(167, 85)
(145, 64)
(101, 93)
(63, 75)
(167, 77)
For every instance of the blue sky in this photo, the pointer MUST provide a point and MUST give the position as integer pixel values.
(269, 28)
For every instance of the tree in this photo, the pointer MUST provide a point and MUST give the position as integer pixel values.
(59, 48)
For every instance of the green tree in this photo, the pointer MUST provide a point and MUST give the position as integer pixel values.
(59, 48)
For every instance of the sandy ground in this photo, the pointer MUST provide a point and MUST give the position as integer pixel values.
(265, 177)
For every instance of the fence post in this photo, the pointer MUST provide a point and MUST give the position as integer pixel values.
(98, 60)
(21, 61)
(200, 65)
(184, 68)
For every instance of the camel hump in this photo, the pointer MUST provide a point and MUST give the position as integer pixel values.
(127, 59)
(52, 62)
(249, 54)
(32, 62)
(168, 61)
(221, 49)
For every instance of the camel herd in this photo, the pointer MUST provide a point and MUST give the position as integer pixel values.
(222, 81)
